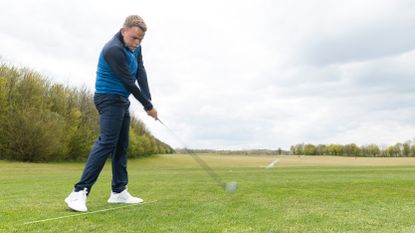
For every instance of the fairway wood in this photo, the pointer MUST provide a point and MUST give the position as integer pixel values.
(231, 187)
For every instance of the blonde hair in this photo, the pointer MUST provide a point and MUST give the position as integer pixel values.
(135, 21)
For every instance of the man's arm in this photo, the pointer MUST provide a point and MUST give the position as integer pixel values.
(142, 75)
(117, 61)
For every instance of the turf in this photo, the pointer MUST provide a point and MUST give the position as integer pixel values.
(299, 194)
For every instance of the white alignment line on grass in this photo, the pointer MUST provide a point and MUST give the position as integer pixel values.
(272, 163)
(92, 212)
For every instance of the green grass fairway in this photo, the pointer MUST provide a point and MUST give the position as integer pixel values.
(299, 194)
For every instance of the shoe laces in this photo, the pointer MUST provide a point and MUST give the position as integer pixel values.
(127, 194)
(123, 195)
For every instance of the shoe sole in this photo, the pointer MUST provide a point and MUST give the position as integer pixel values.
(74, 209)
(118, 202)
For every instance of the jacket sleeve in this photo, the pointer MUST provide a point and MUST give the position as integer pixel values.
(117, 61)
(142, 75)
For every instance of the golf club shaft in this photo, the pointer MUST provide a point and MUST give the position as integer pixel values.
(198, 160)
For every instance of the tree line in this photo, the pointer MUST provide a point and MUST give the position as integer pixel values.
(45, 121)
(406, 149)
(279, 151)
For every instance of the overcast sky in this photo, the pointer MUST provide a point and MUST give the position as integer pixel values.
(240, 74)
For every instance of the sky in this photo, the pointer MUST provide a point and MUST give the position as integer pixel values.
(240, 74)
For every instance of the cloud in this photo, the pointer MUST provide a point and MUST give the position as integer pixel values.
(383, 39)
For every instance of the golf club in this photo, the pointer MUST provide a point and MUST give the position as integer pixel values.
(229, 187)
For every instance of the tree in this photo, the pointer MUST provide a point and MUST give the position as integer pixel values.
(335, 149)
(351, 150)
(299, 149)
(373, 150)
(406, 149)
(321, 149)
(292, 149)
(395, 150)
(310, 149)
(3, 114)
(412, 151)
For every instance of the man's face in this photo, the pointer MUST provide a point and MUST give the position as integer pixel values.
(132, 37)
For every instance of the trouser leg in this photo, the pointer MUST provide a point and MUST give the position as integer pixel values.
(119, 157)
(111, 117)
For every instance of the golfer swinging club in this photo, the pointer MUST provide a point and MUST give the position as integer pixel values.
(120, 65)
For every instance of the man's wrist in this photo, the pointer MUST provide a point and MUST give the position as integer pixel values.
(148, 107)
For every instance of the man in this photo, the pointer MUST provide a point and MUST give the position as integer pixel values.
(120, 65)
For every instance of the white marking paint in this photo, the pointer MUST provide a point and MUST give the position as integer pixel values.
(92, 212)
(272, 164)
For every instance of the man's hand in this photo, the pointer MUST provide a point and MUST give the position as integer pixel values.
(153, 113)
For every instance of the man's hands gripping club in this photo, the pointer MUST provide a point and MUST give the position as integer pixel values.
(153, 113)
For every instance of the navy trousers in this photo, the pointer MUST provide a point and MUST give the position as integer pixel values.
(114, 122)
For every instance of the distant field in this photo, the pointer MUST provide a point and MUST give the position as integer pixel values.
(298, 194)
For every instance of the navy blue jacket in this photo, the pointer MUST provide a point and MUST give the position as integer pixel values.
(118, 70)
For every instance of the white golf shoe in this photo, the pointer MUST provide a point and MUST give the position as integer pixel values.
(77, 200)
(124, 197)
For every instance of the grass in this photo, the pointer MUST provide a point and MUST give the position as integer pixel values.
(299, 194)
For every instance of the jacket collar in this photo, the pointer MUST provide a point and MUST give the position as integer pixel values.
(119, 37)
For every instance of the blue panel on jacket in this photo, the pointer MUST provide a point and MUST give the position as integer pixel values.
(107, 82)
